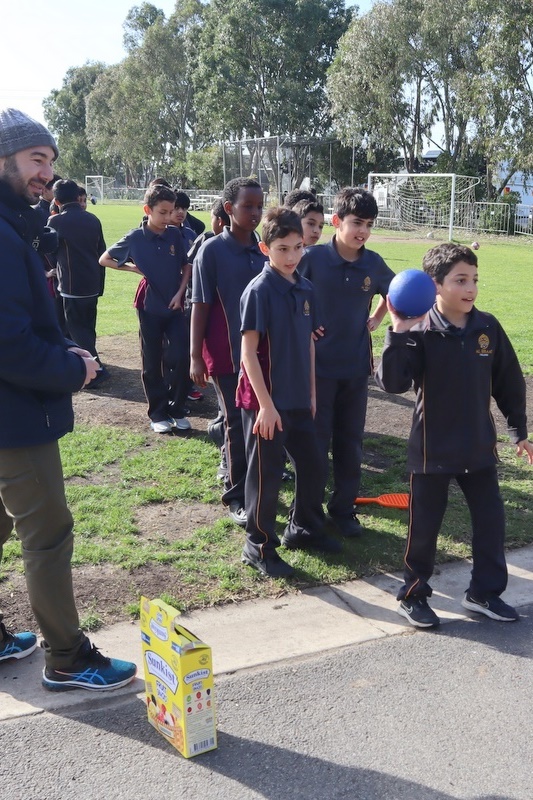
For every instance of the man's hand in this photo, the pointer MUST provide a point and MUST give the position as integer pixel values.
(92, 367)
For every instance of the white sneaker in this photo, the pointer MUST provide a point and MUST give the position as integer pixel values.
(163, 426)
(182, 424)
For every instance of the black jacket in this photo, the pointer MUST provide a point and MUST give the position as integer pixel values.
(81, 243)
(37, 373)
(455, 372)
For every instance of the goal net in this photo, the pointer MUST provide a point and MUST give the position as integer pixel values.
(98, 185)
(425, 202)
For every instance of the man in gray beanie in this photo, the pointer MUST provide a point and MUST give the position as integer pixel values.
(39, 370)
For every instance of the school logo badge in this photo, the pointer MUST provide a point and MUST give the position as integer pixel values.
(307, 308)
(484, 344)
(172, 250)
(367, 283)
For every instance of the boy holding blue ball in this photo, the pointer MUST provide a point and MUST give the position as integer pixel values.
(456, 357)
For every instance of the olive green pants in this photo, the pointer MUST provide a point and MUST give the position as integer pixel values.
(32, 492)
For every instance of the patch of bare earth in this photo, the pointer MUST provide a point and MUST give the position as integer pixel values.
(107, 590)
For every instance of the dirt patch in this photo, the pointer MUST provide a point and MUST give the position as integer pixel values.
(174, 521)
(106, 590)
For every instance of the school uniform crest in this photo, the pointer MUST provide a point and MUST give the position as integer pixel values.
(172, 250)
(307, 308)
(484, 344)
(367, 283)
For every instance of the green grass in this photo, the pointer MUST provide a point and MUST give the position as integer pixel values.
(115, 477)
(107, 496)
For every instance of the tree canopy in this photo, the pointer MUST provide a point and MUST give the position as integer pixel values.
(406, 75)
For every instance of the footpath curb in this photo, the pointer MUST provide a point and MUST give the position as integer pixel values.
(262, 632)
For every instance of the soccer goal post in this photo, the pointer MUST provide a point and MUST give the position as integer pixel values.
(427, 201)
(98, 185)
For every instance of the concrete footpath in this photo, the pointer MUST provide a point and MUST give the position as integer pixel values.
(267, 631)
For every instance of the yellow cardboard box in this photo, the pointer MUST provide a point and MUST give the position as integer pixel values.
(178, 674)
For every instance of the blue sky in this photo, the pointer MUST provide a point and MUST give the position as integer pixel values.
(40, 41)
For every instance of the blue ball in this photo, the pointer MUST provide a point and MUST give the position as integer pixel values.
(412, 293)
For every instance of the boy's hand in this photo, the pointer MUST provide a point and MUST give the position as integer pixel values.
(199, 374)
(266, 423)
(372, 323)
(177, 301)
(400, 325)
(318, 333)
(525, 447)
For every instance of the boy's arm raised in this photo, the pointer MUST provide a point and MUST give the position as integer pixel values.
(106, 260)
(268, 418)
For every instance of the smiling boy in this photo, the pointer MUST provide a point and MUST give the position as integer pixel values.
(457, 357)
(346, 277)
(276, 393)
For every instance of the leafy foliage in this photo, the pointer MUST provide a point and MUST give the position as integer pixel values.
(65, 114)
(262, 64)
(466, 64)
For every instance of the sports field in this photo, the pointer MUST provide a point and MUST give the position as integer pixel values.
(505, 277)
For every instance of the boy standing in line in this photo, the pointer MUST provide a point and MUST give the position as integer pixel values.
(311, 213)
(157, 252)
(183, 217)
(346, 276)
(276, 393)
(457, 358)
(222, 269)
(80, 276)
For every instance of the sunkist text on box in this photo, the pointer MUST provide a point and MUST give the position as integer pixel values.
(178, 673)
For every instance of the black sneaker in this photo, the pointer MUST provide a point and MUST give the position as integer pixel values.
(238, 513)
(91, 671)
(311, 541)
(348, 526)
(493, 607)
(418, 613)
(271, 565)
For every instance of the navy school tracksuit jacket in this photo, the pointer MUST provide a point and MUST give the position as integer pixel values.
(455, 372)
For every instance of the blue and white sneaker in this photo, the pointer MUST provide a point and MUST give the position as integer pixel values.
(91, 671)
(16, 645)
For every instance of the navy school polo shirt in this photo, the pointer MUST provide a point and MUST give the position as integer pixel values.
(222, 270)
(160, 257)
(344, 291)
(284, 315)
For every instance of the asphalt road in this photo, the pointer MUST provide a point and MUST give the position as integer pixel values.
(424, 716)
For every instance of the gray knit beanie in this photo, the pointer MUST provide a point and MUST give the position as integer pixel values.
(18, 132)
